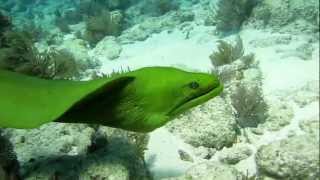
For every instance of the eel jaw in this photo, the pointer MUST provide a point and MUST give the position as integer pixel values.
(194, 101)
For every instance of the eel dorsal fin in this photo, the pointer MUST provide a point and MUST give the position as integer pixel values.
(90, 107)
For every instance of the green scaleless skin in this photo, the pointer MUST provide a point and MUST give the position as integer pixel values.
(140, 100)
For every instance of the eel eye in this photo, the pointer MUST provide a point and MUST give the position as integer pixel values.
(194, 85)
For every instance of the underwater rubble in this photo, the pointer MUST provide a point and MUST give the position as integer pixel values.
(263, 126)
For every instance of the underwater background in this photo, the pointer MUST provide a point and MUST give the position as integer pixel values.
(265, 124)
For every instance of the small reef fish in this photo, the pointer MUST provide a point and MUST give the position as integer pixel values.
(140, 100)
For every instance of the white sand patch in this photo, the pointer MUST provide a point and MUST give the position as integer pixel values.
(282, 73)
(288, 74)
(163, 50)
(162, 155)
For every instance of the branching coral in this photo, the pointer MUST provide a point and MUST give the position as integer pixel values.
(249, 105)
(227, 53)
(230, 14)
(233, 56)
(104, 24)
(16, 49)
(242, 84)
(52, 64)
(19, 54)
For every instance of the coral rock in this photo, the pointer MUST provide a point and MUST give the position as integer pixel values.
(235, 154)
(294, 158)
(108, 48)
(211, 170)
(211, 125)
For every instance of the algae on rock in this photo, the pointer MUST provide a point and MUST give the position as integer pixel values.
(108, 48)
(296, 157)
(235, 154)
(211, 170)
(292, 16)
(80, 152)
(211, 125)
(279, 113)
(104, 24)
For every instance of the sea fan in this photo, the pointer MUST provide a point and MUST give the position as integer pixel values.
(230, 14)
(227, 53)
(249, 105)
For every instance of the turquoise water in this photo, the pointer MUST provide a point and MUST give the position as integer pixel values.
(263, 125)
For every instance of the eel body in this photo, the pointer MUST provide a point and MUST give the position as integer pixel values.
(140, 100)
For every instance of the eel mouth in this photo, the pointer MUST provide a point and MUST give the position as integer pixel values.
(192, 101)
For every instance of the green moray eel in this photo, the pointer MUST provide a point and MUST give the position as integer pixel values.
(140, 100)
